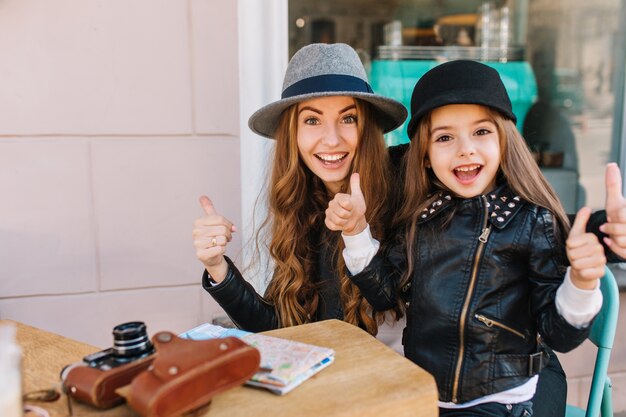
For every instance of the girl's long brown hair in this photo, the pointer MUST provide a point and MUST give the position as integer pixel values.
(297, 203)
(517, 167)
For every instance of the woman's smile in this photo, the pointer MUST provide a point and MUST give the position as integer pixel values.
(328, 138)
(332, 160)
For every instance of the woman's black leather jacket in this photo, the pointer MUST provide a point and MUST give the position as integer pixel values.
(249, 311)
(483, 289)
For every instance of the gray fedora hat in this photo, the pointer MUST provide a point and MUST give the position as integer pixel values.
(321, 70)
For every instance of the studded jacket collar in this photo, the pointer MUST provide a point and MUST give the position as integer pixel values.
(502, 204)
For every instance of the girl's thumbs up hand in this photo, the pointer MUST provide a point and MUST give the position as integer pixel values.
(346, 212)
(585, 253)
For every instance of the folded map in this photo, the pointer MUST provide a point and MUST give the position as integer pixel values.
(285, 364)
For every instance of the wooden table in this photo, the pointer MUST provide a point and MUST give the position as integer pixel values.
(366, 379)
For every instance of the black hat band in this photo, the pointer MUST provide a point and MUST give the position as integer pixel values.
(327, 83)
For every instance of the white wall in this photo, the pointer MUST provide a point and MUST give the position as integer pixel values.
(115, 116)
(263, 56)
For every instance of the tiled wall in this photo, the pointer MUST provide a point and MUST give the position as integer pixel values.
(115, 117)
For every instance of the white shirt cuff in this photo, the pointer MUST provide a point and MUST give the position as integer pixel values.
(359, 250)
(211, 282)
(576, 305)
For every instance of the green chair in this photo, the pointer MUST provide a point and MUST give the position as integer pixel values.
(602, 335)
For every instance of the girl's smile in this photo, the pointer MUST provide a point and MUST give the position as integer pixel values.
(464, 149)
(467, 173)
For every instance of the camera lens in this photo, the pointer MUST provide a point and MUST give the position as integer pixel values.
(130, 341)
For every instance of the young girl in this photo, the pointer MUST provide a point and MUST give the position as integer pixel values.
(481, 261)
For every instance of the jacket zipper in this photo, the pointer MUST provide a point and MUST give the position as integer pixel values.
(490, 323)
(459, 362)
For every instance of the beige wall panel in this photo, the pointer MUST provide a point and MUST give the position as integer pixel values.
(146, 199)
(619, 391)
(91, 317)
(215, 66)
(618, 356)
(210, 308)
(583, 387)
(46, 218)
(579, 361)
(573, 391)
(96, 67)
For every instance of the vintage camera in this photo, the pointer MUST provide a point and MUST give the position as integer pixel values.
(130, 342)
(95, 379)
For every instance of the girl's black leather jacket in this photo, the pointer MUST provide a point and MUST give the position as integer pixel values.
(483, 290)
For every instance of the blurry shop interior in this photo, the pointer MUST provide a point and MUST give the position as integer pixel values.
(562, 62)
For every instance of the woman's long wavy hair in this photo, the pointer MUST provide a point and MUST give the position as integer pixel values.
(517, 168)
(297, 203)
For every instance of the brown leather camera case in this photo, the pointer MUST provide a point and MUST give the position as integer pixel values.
(96, 387)
(186, 374)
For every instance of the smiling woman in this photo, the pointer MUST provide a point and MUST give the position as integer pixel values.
(328, 125)
(328, 137)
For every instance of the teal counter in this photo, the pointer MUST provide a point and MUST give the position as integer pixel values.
(396, 79)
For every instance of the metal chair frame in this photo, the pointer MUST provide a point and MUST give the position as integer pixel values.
(602, 335)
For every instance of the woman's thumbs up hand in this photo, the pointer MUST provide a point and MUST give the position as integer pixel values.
(211, 233)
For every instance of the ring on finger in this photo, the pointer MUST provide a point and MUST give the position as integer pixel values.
(214, 241)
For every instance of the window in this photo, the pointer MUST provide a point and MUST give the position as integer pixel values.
(562, 62)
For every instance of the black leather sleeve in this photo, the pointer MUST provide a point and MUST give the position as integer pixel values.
(379, 281)
(547, 268)
(597, 219)
(247, 309)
